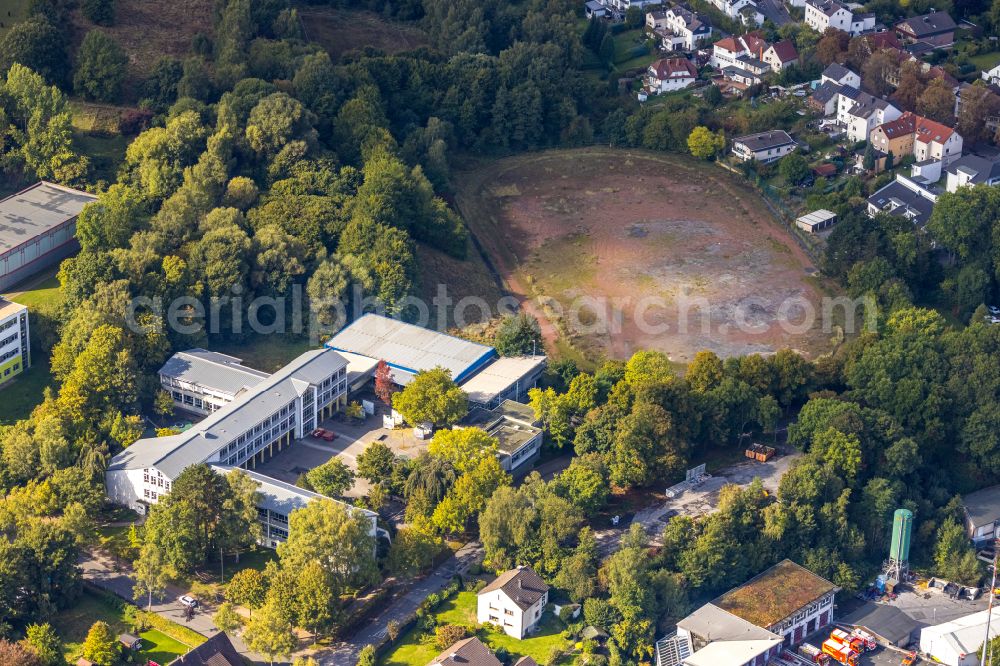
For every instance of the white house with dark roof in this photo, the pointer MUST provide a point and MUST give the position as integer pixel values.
(970, 170)
(514, 601)
(859, 113)
(763, 147)
(745, 11)
(202, 381)
(904, 197)
(837, 73)
(258, 423)
(686, 30)
(823, 14)
(670, 74)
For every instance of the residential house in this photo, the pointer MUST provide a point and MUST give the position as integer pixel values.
(525, 661)
(595, 9)
(904, 197)
(745, 11)
(780, 55)
(837, 73)
(670, 74)
(685, 30)
(514, 601)
(970, 170)
(823, 14)
(624, 5)
(466, 652)
(992, 76)
(656, 20)
(737, 51)
(763, 147)
(925, 139)
(742, 78)
(824, 98)
(216, 651)
(982, 515)
(936, 30)
(752, 623)
(883, 39)
(859, 113)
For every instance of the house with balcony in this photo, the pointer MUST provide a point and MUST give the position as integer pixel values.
(683, 29)
(764, 147)
(670, 74)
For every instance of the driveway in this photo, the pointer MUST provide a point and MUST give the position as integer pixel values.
(402, 608)
(775, 11)
(100, 570)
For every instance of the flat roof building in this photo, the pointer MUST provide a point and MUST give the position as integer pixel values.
(15, 343)
(409, 349)
(816, 221)
(202, 381)
(507, 378)
(518, 435)
(38, 229)
(956, 643)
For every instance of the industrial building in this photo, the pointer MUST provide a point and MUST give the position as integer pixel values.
(38, 229)
(517, 431)
(259, 422)
(956, 643)
(202, 381)
(15, 346)
(751, 623)
(407, 349)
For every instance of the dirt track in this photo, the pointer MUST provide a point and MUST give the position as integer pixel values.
(622, 250)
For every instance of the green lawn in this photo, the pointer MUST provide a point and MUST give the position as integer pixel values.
(624, 43)
(74, 623)
(267, 352)
(461, 609)
(985, 61)
(11, 12)
(158, 647)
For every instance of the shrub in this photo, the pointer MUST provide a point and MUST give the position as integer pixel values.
(448, 635)
(134, 121)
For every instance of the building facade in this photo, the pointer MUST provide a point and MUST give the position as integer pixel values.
(763, 147)
(515, 602)
(38, 229)
(15, 343)
(202, 381)
(259, 423)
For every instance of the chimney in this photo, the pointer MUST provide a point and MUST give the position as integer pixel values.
(520, 584)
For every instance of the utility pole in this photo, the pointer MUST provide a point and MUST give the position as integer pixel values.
(989, 608)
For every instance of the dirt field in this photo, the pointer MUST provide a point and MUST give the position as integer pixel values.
(679, 255)
(339, 31)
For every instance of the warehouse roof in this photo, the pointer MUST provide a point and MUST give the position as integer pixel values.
(711, 623)
(171, 455)
(35, 210)
(499, 376)
(220, 372)
(962, 636)
(410, 349)
(775, 594)
(887, 622)
(731, 653)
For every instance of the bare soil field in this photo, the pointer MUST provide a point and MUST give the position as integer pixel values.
(624, 250)
(341, 30)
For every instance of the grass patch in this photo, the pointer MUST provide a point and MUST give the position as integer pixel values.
(340, 30)
(11, 12)
(106, 153)
(162, 643)
(412, 650)
(985, 61)
(267, 353)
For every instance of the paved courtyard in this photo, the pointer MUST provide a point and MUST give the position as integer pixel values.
(351, 441)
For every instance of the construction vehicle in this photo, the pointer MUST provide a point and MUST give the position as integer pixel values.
(840, 652)
(870, 642)
(813, 654)
(841, 636)
(909, 659)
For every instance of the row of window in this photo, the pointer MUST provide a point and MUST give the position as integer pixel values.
(10, 354)
(7, 324)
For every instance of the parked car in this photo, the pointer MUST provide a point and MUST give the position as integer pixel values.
(190, 602)
(323, 433)
(909, 659)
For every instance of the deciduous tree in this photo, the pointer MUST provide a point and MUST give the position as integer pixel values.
(432, 397)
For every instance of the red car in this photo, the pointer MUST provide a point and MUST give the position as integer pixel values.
(323, 433)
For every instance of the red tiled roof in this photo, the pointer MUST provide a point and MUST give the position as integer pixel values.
(755, 44)
(673, 68)
(901, 126)
(729, 44)
(826, 169)
(883, 40)
(938, 72)
(785, 50)
(931, 131)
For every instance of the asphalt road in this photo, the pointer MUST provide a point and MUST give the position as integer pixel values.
(775, 11)
(346, 653)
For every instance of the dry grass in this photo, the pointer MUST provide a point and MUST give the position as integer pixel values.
(340, 31)
(150, 30)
